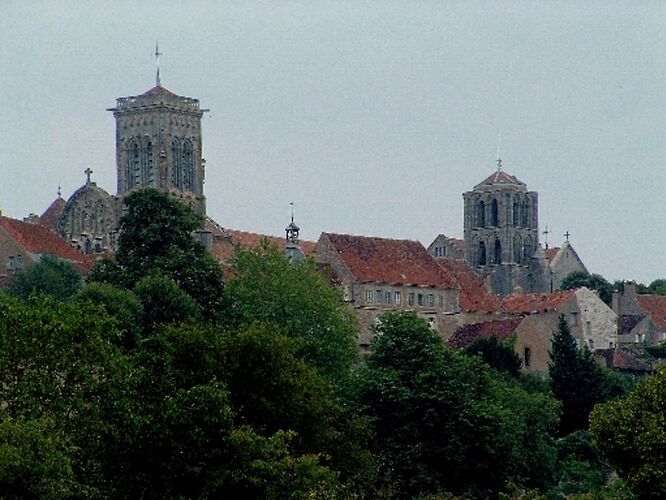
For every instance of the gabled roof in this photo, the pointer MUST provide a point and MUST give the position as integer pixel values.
(383, 260)
(37, 239)
(466, 334)
(655, 306)
(526, 303)
(51, 214)
(628, 322)
(622, 360)
(158, 90)
(500, 177)
(473, 296)
(551, 253)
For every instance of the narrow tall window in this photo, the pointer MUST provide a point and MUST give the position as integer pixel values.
(481, 214)
(398, 298)
(410, 298)
(494, 213)
(368, 296)
(147, 173)
(482, 253)
(498, 252)
(527, 356)
(176, 172)
(188, 166)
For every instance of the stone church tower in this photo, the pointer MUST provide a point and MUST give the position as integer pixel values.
(501, 233)
(158, 145)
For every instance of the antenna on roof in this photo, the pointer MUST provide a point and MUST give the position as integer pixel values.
(157, 55)
(499, 156)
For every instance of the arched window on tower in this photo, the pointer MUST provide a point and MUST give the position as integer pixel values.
(147, 167)
(494, 213)
(516, 211)
(482, 253)
(524, 212)
(517, 250)
(176, 168)
(481, 214)
(134, 166)
(527, 250)
(188, 166)
(498, 252)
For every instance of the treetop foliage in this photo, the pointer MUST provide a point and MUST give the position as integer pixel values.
(50, 276)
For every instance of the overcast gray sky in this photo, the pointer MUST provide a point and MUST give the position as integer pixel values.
(373, 117)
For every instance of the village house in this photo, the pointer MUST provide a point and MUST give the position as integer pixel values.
(642, 318)
(22, 243)
(379, 275)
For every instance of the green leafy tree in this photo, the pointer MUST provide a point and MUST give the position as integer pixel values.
(49, 276)
(576, 380)
(497, 355)
(122, 305)
(164, 302)
(156, 239)
(577, 279)
(444, 423)
(631, 434)
(298, 299)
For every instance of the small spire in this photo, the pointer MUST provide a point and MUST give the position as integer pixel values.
(59, 191)
(292, 211)
(157, 55)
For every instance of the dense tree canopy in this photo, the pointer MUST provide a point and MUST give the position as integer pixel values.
(298, 299)
(49, 276)
(443, 422)
(631, 434)
(156, 239)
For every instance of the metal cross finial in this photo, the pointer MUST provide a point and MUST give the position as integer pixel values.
(59, 191)
(157, 55)
(88, 171)
(546, 232)
(566, 235)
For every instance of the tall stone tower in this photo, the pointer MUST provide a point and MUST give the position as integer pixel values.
(158, 145)
(501, 232)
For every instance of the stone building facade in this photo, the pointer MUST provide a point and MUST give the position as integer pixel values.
(158, 145)
(378, 275)
(501, 235)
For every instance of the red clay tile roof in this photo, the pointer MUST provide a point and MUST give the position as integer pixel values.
(501, 328)
(224, 252)
(158, 90)
(622, 360)
(473, 296)
(499, 177)
(655, 306)
(526, 303)
(50, 216)
(38, 239)
(551, 253)
(400, 262)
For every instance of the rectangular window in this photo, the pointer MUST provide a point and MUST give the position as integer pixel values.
(368, 296)
(420, 299)
(527, 356)
(387, 297)
(380, 296)
(573, 319)
(440, 300)
(431, 300)
(398, 298)
(410, 298)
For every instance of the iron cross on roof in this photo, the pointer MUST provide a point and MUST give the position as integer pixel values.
(566, 235)
(88, 171)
